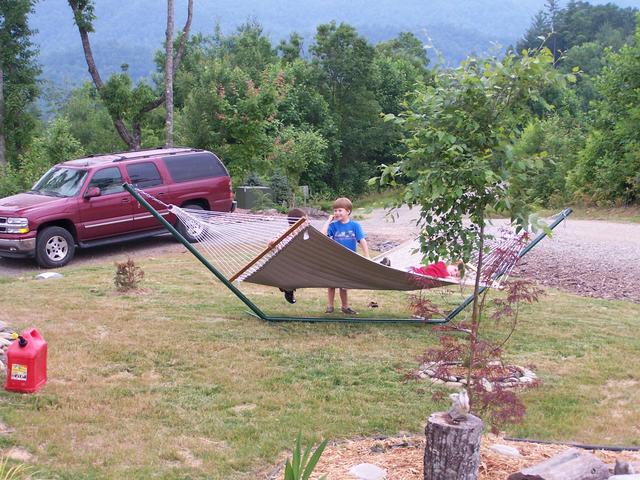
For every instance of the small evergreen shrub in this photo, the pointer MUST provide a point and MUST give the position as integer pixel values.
(128, 276)
(253, 180)
(281, 188)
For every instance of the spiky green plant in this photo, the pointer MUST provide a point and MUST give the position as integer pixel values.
(14, 472)
(301, 465)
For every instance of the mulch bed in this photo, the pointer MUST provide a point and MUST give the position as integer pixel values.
(402, 457)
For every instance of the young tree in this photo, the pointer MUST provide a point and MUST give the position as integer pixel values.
(458, 161)
(18, 78)
(126, 105)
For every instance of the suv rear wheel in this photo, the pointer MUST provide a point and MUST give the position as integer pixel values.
(55, 247)
(192, 234)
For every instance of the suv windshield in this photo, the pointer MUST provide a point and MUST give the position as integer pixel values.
(60, 182)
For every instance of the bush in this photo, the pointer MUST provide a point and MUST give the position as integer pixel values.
(128, 276)
(281, 188)
(54, 146)
(254, 180)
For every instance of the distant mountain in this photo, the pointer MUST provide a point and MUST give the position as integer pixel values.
(129, 32)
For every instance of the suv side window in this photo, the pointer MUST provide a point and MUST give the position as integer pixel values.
(144, 175)
(108, 180)
(183, 168)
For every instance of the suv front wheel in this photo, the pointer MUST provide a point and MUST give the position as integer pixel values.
(55, 247)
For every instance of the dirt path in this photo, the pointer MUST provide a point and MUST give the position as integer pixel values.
(591, 258)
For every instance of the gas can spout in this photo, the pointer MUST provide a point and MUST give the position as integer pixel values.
(22, 341)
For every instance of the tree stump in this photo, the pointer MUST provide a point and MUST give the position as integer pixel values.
(569, 465)
(452, 451)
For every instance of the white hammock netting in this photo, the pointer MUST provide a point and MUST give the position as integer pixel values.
(289, 253)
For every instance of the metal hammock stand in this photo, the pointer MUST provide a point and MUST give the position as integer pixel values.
(257, 312)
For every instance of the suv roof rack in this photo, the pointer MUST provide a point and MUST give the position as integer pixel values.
(146, 153)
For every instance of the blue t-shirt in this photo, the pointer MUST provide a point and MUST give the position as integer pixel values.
(346, 234)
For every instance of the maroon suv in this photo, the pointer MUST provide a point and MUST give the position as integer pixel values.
(82, 202)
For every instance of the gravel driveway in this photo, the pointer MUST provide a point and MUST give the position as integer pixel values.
(587, 257)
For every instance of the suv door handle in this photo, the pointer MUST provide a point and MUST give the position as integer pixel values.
(125, 200)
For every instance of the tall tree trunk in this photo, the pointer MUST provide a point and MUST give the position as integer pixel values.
(3, 158)
(475, 316)
(168, 76)
(132, 137)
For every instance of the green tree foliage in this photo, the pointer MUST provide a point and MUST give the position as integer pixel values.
(579, 35)
(579, 22)
(18, 85)
(345, 60)
(459, 149)
(407, 46)
(399, 66)
(226, 112)
(551, 147)
(300, 154)
(608, 169)
(291, 50)
(90, 122)
(55, 145)
(248, 48)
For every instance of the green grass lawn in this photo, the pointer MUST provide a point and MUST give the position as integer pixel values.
(178, 382)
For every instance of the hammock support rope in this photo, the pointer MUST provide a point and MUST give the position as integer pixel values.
(259, 313)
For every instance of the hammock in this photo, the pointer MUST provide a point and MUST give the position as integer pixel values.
(289, 253)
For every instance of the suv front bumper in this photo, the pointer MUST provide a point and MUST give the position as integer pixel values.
(17, 247)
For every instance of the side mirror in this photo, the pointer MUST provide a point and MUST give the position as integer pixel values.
(92, 192)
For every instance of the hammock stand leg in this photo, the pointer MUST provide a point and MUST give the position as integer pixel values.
(254, 308)
(257, 312)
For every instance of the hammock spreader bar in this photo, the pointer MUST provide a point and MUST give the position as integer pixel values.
(256, 311)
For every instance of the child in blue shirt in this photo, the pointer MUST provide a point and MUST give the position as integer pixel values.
(349, 234)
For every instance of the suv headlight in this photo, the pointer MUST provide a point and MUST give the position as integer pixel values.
(17, 225)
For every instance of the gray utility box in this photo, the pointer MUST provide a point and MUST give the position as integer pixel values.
(248, 197)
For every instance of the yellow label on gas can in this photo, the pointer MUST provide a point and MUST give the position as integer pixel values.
(19, 372)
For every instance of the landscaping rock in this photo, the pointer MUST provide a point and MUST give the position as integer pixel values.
(6, 339)
(517, 376)
(368, 471)
(506, 450)
(625, 477)
(571, 464)
(5, 430)
(48, 275)
(623, 468)
(245, 407)
(19, 454)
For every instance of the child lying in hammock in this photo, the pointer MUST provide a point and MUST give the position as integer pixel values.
(439, 269)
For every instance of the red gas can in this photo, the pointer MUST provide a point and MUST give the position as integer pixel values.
(27, 362)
